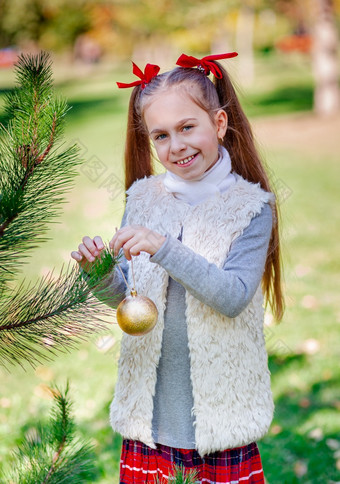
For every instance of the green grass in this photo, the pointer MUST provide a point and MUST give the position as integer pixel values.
(301, 446)
(304, 349)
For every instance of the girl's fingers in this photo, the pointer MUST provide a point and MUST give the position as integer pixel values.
(135, 250)
(85, 252)
(90, 246)
(127, 252)
(114, 245)
(80, 259)
(88, 250)
(126, 238)
(98, 242)
(76, 256)
(112, 241)
(132, 243)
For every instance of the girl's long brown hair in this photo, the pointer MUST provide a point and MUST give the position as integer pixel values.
(239, 141)
(247, 163)
(138, 163)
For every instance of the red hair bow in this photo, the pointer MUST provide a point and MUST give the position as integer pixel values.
(145, 77)
(205, 63)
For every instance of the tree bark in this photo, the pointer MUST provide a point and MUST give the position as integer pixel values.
(244, 44)
(325, 60)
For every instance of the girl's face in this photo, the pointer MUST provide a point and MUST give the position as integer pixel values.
(184, 135)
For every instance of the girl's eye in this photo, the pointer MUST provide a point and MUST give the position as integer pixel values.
(186, 128)
(160, 137)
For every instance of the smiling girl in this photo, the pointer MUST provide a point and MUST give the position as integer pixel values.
(196, 390)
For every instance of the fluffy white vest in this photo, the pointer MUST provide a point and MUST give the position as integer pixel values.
(233, 404)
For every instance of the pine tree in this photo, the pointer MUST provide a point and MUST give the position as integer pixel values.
(36, 170)
(52, 454)
(179, 475)
(39, 319)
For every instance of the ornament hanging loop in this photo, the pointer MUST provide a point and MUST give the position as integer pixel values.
(133, 278)
(136, 315)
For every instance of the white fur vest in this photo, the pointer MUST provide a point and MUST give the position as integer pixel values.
(233, 404)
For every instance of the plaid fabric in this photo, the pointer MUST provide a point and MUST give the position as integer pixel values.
(140, 464)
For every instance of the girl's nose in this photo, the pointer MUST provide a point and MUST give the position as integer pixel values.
(177, 144)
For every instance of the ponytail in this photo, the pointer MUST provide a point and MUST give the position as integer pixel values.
(239, 142)
(138, 162)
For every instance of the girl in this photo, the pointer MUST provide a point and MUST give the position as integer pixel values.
(196, 390)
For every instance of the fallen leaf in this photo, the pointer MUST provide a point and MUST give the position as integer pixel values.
(44, 373)
(327, 374)
(300, 468)
(337, 404)
(275, 429)
(43, 391)
(316, 434)
(336, 454)
(301, 270)
(309, 302)
(333, 444)
(304, 403)
(310, 346)
(5, 402)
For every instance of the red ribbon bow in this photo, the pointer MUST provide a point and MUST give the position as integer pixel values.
(205, 63)
(145, 77)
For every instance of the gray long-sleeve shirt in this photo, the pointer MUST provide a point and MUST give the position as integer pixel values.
(227, 290)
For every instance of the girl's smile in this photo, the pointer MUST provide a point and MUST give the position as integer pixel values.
(187, 161)
(184, 135)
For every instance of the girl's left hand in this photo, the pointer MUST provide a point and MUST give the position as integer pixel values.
(134, 239)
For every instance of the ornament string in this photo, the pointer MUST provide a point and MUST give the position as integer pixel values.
(133, 276)
(133, 290)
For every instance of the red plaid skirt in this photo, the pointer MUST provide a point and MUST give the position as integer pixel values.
(140, 464)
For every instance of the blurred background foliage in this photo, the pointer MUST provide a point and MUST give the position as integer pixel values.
(278, 73)
(94, 30)
(119, 27)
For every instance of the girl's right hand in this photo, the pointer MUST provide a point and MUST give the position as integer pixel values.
(88, 252)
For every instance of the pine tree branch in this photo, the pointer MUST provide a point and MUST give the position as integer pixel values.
(44, 193)
(52, 453)
(34, 172)
(62, 402)
(56, 458)
(50, 144)
(39, 321)
(29, 158)
(180, 476)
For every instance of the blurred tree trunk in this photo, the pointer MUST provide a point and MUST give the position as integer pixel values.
(325, 60)
(244, 43)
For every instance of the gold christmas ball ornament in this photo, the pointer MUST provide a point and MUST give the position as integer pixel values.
(137, 315)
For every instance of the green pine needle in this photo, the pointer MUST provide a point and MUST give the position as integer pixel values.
(35, 169)
(180, 476)
(102, 266)
(52, 454)
(39, 321)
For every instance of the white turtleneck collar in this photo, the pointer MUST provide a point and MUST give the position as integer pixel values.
(214, 181)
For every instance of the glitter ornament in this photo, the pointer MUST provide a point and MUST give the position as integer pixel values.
(137, 315)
